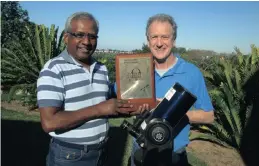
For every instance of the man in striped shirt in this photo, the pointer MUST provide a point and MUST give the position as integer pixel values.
(72, 95)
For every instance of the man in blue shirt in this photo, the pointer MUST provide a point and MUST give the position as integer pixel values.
(161, 32)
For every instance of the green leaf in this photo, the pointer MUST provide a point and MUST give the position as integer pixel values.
(38, 46)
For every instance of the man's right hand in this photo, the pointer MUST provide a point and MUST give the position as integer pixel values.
(115, 107)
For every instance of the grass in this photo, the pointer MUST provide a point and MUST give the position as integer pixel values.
(18, 116)
(23, 132)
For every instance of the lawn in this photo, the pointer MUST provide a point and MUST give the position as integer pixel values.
(22, 135)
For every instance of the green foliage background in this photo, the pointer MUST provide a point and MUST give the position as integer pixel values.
(26, 47)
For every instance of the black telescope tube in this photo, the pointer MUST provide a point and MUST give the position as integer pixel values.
(173, 109)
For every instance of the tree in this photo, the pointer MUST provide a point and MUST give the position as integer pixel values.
(23, 60)
(109, 61)
(144, 49)
(228, 95)
(13, 19)
(180, 50)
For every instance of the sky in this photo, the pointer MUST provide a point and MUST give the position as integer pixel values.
(217, 26)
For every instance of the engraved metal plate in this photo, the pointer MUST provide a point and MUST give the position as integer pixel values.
(135, 77)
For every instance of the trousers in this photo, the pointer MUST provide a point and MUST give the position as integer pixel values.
(66, 154)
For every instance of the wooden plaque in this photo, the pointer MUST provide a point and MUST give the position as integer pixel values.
(135, 78)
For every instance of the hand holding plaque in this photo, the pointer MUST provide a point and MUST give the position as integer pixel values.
(135, 78)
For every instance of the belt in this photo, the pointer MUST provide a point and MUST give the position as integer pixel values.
(81, 147)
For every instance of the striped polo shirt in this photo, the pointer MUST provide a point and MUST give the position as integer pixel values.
(66, 84)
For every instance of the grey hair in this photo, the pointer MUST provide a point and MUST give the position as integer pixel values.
(163, 18)
(81, 16)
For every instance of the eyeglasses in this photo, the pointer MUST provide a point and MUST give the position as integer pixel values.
(81, 35)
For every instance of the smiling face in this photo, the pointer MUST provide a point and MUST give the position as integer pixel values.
(160, 39)
(81, 48)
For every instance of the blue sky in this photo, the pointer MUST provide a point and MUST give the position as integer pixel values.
(217, 26)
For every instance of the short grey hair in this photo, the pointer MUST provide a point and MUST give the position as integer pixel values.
(163, 18)
(81, 16)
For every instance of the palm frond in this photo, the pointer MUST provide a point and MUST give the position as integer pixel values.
(38, 46)
(231, 110)
(238, 82)
(22, 60)
(44, 38)
(239, 55)
(206, 74)
(254, 54)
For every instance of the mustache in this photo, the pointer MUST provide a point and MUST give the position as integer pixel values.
(88, 46)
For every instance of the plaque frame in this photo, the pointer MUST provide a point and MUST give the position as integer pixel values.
(139, 101)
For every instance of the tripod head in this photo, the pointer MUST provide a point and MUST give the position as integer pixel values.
(155, 130)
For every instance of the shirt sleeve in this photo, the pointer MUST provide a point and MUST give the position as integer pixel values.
(203, 101)
(50, 89)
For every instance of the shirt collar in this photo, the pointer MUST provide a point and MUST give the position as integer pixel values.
(176, 69)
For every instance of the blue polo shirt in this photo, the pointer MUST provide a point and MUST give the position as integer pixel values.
(191, 78)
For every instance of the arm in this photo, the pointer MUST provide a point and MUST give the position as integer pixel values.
(52, 118)
(203, 110)
(51, 96)
(200, 116)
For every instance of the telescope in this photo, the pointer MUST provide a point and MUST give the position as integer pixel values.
(155, 130)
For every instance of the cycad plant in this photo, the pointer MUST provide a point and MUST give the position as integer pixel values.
(22, 61)
(228, 96)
